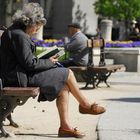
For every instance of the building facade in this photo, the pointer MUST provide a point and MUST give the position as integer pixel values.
(59, 13)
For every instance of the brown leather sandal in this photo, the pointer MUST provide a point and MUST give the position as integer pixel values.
(94, 110)
(70, 133)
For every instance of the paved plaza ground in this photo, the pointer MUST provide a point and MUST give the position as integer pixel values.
(39, 121)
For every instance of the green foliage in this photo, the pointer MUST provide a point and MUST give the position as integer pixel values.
(118, 9)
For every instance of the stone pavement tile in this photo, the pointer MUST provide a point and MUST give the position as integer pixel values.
(125, 78)
(39, 121)
(119, 135)
(122, 119)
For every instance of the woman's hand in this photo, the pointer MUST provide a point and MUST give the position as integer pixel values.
(54, 59)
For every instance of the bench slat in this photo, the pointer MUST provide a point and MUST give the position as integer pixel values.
(106, 68)
(21, 91)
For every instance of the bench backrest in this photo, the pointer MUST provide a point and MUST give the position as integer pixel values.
(96, 43)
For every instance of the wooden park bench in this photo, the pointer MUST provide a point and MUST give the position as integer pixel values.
(95, 74)
(10, 98)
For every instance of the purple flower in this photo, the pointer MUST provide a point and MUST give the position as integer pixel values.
(42, 43)
(122, 44)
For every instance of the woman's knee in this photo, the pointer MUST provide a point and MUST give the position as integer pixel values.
(71, 74)
(64, 92)
(66, 88)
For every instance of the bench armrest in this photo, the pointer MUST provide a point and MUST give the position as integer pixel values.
(21, 91)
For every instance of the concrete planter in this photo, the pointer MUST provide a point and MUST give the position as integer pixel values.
(106, 29)
(130, 57)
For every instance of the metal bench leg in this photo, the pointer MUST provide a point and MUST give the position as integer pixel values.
(90, 78)
(5, 109)
(86, 79)
(90, 81)
(7, 105)
(12, 123)
(3, 132)
(102, 77)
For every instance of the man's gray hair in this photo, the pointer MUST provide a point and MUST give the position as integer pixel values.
(30, 14)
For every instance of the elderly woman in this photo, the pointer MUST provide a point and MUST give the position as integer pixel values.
(20, 67)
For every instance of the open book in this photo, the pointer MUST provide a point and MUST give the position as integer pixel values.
(46, 53)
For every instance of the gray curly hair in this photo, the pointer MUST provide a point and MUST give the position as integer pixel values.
(30, 14)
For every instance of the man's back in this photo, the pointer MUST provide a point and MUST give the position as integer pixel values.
(77, 48)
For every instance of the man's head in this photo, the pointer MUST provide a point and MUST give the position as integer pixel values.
(73, 28)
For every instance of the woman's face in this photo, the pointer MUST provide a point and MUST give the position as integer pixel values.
(32, 30)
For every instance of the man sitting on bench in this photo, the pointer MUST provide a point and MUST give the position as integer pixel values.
(76, 47)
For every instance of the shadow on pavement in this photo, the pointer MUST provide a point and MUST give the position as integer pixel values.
(132, 100)
(39, 135)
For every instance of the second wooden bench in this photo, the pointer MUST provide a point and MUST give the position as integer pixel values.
(96, 74)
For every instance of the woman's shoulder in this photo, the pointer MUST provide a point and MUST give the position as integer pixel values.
(18, 32)
(20, 35)
(8, 33)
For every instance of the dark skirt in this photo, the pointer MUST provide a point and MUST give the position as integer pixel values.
(51, 82)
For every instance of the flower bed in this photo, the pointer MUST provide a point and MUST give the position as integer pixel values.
(48, 42)
(110, 44)
(122, 44)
